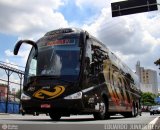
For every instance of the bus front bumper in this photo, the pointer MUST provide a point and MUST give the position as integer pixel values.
(62, 106)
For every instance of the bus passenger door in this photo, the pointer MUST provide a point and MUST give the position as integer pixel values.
(90, 79)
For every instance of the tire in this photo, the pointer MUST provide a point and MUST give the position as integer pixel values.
(140, 113)
(55, 116)
(136, 111)
(34, 113)
(130, 114)
(150, 113)
(103, 112)
(133, 113)
(23, 113)
(37, 114)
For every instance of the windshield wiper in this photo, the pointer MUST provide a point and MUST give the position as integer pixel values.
(53, 77)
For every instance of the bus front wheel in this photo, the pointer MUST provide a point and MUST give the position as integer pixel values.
(133, 112)
(103, 111)
(55, 116)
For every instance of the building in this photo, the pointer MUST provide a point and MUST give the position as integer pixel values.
(148, 79)
(3, 91)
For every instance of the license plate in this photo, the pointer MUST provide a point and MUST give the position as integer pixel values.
(45, 106)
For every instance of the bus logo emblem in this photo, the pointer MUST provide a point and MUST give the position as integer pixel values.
(44, 94)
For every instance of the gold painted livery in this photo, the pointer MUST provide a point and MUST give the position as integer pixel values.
(58, 90)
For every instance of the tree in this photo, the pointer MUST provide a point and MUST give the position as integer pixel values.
(148, 99)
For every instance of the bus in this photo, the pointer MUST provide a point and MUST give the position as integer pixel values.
(70, 72)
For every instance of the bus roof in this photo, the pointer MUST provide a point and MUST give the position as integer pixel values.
(64, 31)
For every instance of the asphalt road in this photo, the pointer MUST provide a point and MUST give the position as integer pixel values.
(43, 122)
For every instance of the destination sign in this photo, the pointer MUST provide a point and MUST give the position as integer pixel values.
(61, 42)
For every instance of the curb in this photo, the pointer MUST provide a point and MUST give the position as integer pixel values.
(4, 113)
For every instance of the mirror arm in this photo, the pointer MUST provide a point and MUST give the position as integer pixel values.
(19, 43)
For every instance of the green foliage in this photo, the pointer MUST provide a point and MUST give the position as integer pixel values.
(148, 99)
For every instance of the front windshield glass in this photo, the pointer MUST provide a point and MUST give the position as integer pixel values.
(57, 56)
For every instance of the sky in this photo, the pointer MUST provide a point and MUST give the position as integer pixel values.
(132, 37)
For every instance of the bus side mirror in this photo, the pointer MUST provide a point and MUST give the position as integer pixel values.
(19, 43)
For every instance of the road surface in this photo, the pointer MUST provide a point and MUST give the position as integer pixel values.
(83, 122)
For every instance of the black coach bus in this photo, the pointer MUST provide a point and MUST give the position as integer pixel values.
(70, 72)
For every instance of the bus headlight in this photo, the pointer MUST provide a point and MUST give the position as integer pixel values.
(77, 95)
(25, 97)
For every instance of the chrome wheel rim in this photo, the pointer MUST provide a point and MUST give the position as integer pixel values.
(133, 111)
(102, 108)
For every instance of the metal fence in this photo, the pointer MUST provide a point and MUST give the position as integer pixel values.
(10, 103)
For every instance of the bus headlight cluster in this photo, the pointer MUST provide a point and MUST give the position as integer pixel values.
(77, 95)
(25, 97)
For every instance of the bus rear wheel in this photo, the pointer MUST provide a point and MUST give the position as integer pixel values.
(55, 116)
(133, 113)
(103, 111)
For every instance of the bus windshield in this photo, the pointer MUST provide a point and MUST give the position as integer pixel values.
(57, 57)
